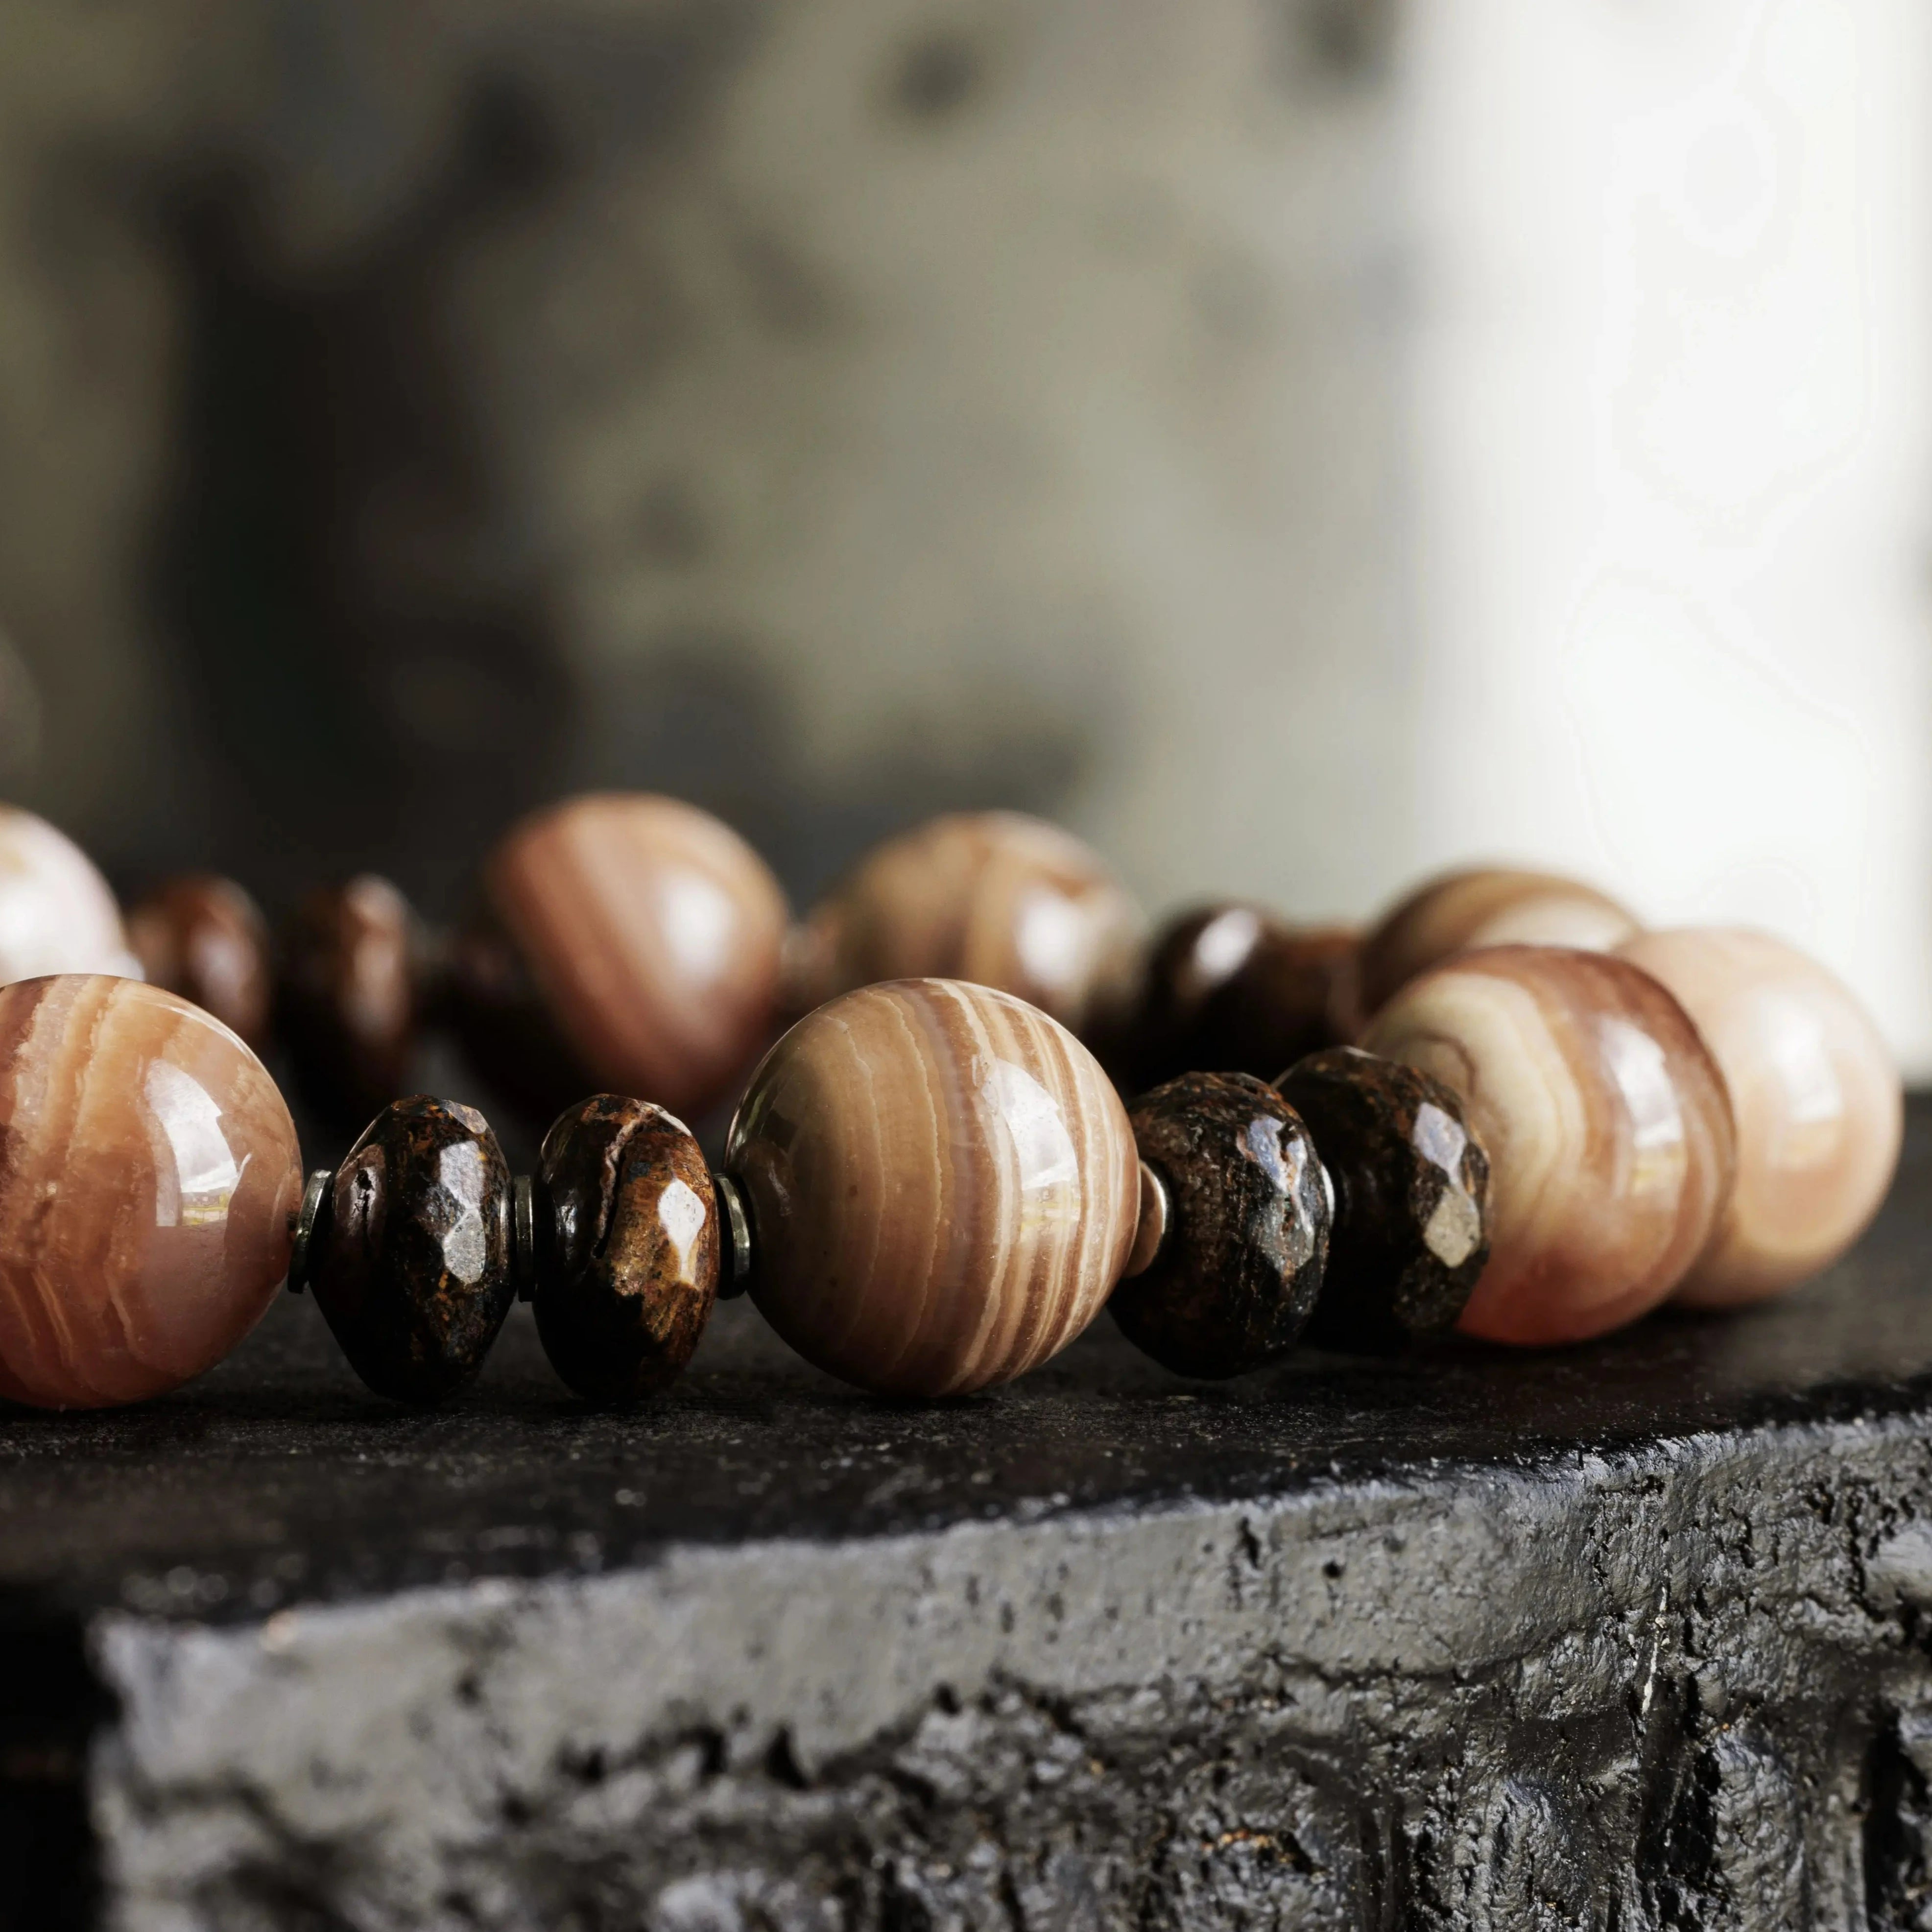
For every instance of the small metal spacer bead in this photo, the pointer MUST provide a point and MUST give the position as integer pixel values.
(1150, 1232)
(735, 1276)
(313, 1197)
(523, 1235)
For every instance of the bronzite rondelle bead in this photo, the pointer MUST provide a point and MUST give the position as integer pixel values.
(56, 912)
(1817, 1097)
(1606, 1123)
(627, 1266)
(350, 995)
(1239, 1263)
(1486, 906)
(1232, 988)
(148, 1175)
(942, 1187)
(1412, 1193)
(409, 1259)
(622, 941)
(995, 898)
(202, 937)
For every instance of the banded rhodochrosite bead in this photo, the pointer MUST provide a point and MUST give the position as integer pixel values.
(56, 912)
(1485, 906)
(1816, 1094)
(943, 1186)
(625, 941)
(993, 897)
(149, 1173)
(1606, 1123)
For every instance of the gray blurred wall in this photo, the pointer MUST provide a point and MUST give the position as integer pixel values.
(830, 411)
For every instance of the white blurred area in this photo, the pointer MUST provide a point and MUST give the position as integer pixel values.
(1671, 459)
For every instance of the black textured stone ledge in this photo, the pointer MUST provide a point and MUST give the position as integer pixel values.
(1626, 1636)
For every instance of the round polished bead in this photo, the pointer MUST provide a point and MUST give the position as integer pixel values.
(625, 941)
(149, 1172)
(1230, 988)
(410, 1259)
(991, 897)
(1240, 1265)
(1605, 1119)
(942, 1182)
(1488, 906)
(56, 912)
(350, 994)
(628, 1273)
(1411, 1194)
(204, 937)
(1815, 1095)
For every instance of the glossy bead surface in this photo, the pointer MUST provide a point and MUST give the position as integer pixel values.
(628, 1272)
(1230, 988)
(1412, 1193)
(1605, 1119)
(994, 897)
(1815, 1095)
(204, 937)
(1240, 1262)
(1491, 906)
(56, 912)
(410, 1259)
(624, 941)
(148, 1169)
(350, 995)
(943, 1187)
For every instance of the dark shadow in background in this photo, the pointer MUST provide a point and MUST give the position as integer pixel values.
(362, 639)
(359, 623)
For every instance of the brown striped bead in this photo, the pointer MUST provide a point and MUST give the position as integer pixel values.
(1816, 1093)
(623, 941)
(628, 1261)
(943, 1187)
(56, 912)
(204, 937)
(1488, 906)
(1606, 1121)
(149, 1173)
(995, 898)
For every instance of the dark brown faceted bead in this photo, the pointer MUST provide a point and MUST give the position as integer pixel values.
(627, 1257)
(204, 937)
(410, 1259)
(1412, 1199)
(504, 1021)
(351, 993)
(1241, 1264)
(1230, 988)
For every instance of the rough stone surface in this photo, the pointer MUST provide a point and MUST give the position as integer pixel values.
(1630, 1635)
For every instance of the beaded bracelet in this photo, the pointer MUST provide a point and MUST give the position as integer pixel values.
(929, 1187)
(635, 943)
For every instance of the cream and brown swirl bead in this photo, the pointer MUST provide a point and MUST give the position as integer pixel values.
(622, 940)
(1607, 1123)
(1484, 906)
(995, 898)
(148, 1175)
(942, 1183)
(1816, 1096)
(56, 912)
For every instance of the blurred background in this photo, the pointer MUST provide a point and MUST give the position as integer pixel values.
(1297, 443)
